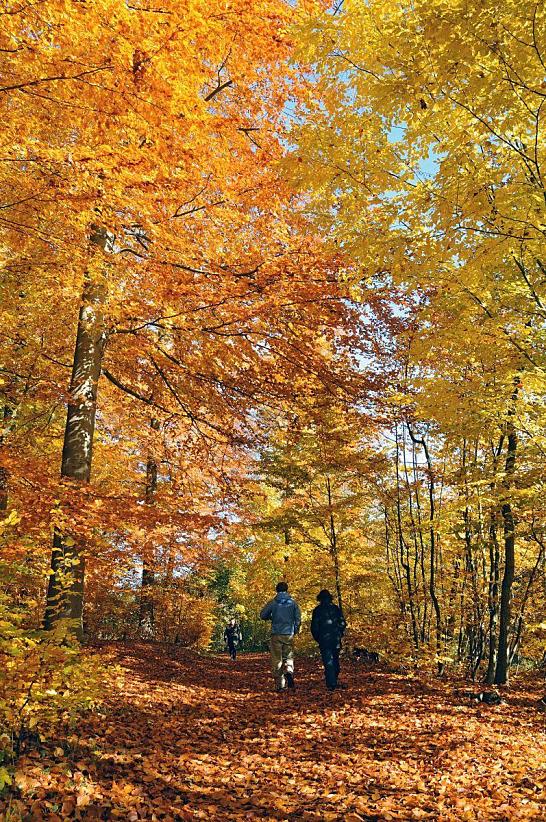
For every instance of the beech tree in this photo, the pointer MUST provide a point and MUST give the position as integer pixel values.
(424, 155)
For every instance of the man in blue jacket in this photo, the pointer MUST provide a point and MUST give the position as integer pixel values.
(285, 617)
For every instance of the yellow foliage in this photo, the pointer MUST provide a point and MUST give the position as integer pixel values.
(45, 681)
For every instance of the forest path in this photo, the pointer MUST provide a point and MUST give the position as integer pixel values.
(188, 737)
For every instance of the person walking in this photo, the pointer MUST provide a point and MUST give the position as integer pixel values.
(232, 637)
(327, 628)
(285, 616)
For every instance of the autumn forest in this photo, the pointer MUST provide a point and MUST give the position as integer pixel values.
(273, 308)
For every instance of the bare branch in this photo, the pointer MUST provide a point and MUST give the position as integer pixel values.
(39, 80)
(218, 89)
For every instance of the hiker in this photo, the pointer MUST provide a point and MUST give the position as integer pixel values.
(327, 627)
(232, 637)
(285, 617)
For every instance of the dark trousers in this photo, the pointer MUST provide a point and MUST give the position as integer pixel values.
(232, 648)
(330, 660)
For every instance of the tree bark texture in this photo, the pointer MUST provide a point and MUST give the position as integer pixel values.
(66, 582)
(146, 612)
(501, 672)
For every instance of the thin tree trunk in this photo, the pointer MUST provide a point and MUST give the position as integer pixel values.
(494, 571)
(501, 672)
(433, 546)
(66, 581)
(514, 645)
(4, 474)
(402, 546)
(475, 621)
(333, 544)
(422, 561)
(494, 577)
(3, 489)
(287, 543)
(416, 533)
(394, 574)
(432, 578)
(146, 612)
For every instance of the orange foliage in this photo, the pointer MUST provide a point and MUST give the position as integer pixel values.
(163, 127)
(183, 737)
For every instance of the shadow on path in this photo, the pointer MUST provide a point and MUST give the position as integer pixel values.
(184, 736)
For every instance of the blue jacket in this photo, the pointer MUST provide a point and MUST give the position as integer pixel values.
(284, 614)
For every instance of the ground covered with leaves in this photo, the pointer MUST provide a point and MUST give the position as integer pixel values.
(184, 737)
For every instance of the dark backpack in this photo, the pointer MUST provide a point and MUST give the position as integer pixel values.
(328, 624)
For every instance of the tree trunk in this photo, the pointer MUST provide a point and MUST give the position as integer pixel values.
(501, 673)
(494, 569)
(4, 476)
(493, 597)
(333, 544)
(433, 547)
(146, 613)
(516, 639)
(3, 490)
(404, 562)
(66, 581)
(287, 543)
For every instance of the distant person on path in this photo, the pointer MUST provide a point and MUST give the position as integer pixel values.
(327, 627)
(232, 637)
(285, 617)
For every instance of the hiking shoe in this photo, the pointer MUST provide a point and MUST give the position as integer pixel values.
(290, 679)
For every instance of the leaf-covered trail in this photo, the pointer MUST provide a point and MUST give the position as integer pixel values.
(187, 737)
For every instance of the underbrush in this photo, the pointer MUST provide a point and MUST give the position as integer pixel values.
(46, 681)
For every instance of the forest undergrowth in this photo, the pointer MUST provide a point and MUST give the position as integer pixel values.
(182, 736)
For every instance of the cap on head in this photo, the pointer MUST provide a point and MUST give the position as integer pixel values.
(281, 586)
(324, 596)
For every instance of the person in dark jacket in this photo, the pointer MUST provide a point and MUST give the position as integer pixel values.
(232, 637)
(327, 627)
(285, 616)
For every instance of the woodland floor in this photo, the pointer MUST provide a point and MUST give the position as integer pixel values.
(183, 737)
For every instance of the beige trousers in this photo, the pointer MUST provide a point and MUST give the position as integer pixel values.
(282, 657)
